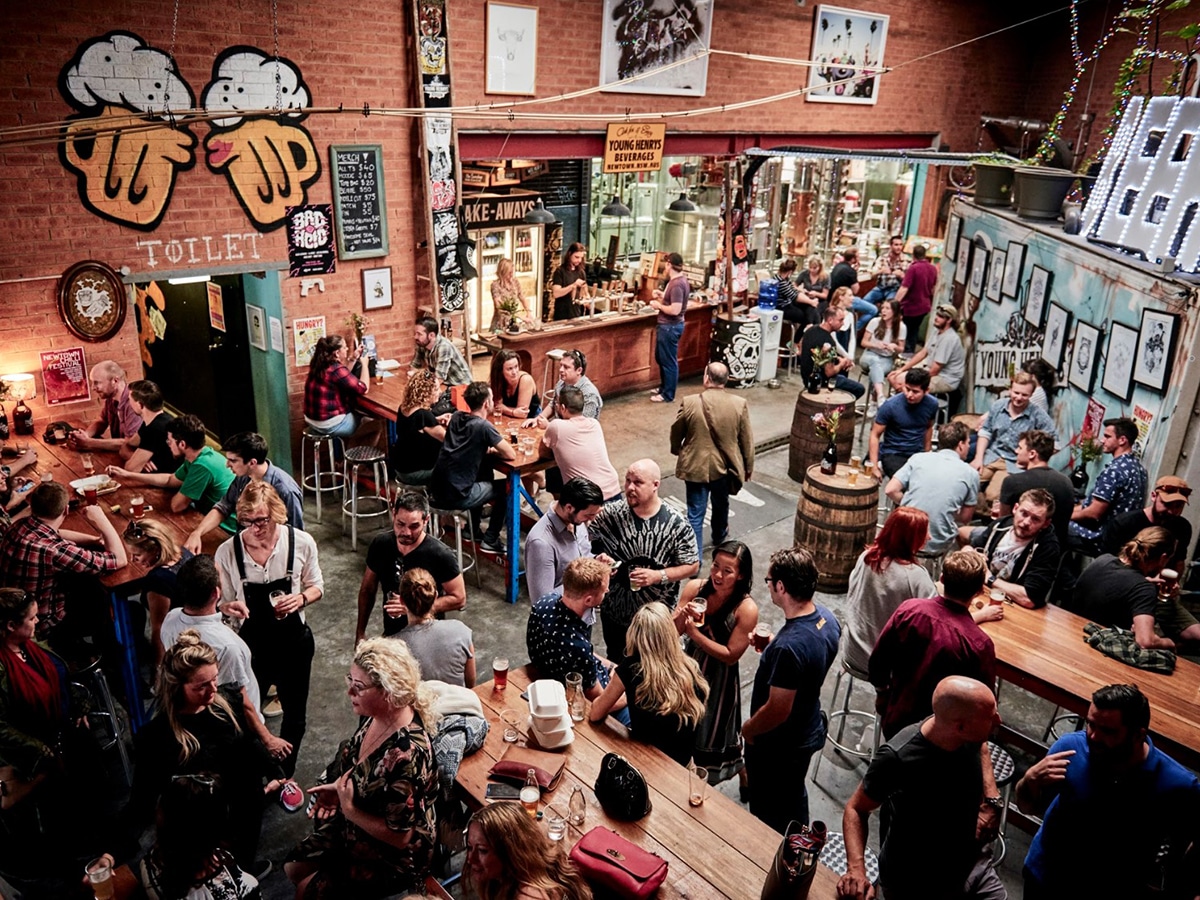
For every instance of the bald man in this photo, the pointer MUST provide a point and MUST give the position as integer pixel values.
(653, 544)
(937, 796)
(118, 418)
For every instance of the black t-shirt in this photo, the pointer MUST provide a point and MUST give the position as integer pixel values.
(564, 306)
(843, 275)
(414, 450)
(459, 464)
(389, 565)
(1056, 483)
(162, 579)
(1122, 529)
(1111, 593)
(814, 338)
(152, 436)
(667, 733)
(925, 791)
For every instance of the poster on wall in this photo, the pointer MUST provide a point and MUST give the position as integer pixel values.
(1039, 292)
(310, 240)
(64, 376)
(953, 231)
(1093, 419)
(511, 49)
(216, 306)
(1014, 262)
(306, 332)
(1144, 419)
(1084, 357)
(995, 279)
(1156, 347)
(978, 272)
(1054, 341)
(663, 48)
(256, 325)
(847, 47)
(962, 261)
(1118, 364)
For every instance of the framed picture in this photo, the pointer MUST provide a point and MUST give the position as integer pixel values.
(996, 275)
(1156, 349)
(962, 260)
(511, 49)
(377, 288)
(256, 324)
(1039, 292)
(1054, 341)
(953, 233)
(1084, 357)
(1013, 264)
(639, 39)
(1118, 362)
(847, 47)
(979, 266)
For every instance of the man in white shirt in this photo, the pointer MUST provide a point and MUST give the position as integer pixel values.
(577, 442)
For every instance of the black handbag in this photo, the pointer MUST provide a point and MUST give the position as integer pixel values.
(621, 789)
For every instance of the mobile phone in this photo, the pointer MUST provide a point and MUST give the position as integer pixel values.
(502, 791)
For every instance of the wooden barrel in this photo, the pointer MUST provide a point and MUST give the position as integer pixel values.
(835, 521)
(805, 448)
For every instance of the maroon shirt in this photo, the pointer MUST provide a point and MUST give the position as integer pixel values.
(919, 280)
(925, 640)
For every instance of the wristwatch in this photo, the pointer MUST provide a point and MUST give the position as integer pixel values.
(665, 579)
(996, 803)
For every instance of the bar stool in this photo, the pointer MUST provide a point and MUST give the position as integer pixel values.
(787, 348)
(869, 719)
(97, 689)
(877, 215)
(553, 358)
(1005, 772)
(317, 481)
(833, 855)
(460, 516)
(355, 458)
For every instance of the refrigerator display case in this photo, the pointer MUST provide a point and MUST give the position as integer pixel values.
(520, 243)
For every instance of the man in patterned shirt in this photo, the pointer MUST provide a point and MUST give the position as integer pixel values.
(35, 554)
(439, 354)
(558, 635)
(1120, 488)
(655, 546)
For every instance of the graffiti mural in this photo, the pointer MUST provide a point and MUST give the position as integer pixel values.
(269, 162)
(124, 145)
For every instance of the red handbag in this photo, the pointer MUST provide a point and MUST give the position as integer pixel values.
(605, 858)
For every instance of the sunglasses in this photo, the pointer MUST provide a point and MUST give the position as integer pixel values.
(134, 532)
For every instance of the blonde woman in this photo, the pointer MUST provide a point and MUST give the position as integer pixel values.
(375, 826)
(154, 548)
(663, 686)
(504, 289)
(813, 288)
(509, 857)
(199, 731)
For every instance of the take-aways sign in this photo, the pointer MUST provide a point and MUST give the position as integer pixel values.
(634, 147)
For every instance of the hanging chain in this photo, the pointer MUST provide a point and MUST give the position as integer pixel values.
(166, 88)
(278, 67)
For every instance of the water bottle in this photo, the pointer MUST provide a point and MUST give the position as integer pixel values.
(576, 807)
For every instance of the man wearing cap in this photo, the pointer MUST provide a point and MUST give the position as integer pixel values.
(1167, 500)
(947, 362)
(670, 302)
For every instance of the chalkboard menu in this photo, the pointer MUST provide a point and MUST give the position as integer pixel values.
(359, 203)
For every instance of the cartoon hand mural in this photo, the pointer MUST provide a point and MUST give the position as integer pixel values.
(269, 162)
(124, 145)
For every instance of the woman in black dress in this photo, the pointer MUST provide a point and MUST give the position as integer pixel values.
(419, 433)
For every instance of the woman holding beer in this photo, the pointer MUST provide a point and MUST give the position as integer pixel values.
(375, 827)
(509, 857)
(155, 549)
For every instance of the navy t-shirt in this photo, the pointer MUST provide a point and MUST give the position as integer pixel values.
(468, 439)
(905, 423)
(796, 660)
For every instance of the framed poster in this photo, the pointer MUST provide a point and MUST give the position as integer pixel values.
(1156, 349)
(1084, 357)
(979, 264)
(1039, 292)
(962, 261)
(256, 324)
(1013, 264)
(359, 201)
(953, 232)
(64, 376)
(511, 49)
(1054, 341)
(377, 288)
(995, 279)
(638, 39)
(847, 47)
(1118, 362)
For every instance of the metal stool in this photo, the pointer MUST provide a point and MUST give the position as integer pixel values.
(877, 215)
(317, 481)
(787, 348)
(354, 458)
(1056, 717)
(549, 379)
(459, 516)
(833, 855)
(1005, 772)
(99, 692)
(844, 713)
(943, 411)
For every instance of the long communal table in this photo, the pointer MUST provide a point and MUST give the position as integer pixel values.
(714, 851)
(65, 465)
(1044, 652)
(382, 401)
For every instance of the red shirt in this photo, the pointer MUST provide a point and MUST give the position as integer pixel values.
(920, 278)
(330, 392)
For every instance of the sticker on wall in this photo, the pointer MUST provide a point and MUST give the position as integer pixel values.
(452, 295)
(305, 334)
(124, 145)
(310, 239)
(269, 162)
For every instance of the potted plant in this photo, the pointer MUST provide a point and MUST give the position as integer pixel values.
(823, 358)
(994, 179)
(825, 426)
(507, 318)
(1090, 449)
(1039, 191)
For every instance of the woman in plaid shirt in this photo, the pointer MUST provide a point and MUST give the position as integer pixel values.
(331, 389)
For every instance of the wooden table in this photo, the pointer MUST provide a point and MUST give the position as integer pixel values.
(1043, 651)
(65, 466)
(715, 850)
(384, 399)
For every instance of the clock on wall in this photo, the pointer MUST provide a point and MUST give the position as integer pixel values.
(92, 300)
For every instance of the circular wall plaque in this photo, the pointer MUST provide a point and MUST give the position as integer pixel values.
(92, 300)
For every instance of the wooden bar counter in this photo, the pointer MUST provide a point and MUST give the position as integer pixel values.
(619, 347)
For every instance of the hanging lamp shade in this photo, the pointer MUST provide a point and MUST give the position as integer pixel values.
(616, 208)
(683, 204)
(539, 215)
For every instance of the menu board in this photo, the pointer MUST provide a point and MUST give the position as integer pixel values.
(359, 203)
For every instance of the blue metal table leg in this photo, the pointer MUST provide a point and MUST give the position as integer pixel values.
(123, 629)
(515, 492)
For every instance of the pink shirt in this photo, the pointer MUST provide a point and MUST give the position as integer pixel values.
(580, 451)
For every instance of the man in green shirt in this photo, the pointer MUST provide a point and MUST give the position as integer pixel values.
(202, 477)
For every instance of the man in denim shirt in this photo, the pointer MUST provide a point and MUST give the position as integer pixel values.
(1000, 432)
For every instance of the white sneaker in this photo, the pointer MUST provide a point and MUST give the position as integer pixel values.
(872, 408)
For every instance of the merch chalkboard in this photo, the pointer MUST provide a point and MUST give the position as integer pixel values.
(359, 202)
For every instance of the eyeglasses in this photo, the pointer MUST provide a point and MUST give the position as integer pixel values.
(134, 532)
(357, 687)
(261, 522)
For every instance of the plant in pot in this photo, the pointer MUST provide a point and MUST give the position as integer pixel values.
(825, 426)
(994, 178)
(825, 366)
(1090, 449)
(507, 318)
